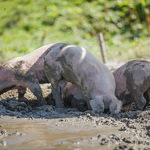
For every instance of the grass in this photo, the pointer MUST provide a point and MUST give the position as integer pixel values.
(127, 50)
(28, 25)
(119, 49)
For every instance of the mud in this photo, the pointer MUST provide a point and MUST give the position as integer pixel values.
(26, 125)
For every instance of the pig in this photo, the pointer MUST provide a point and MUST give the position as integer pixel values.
(81, 68)
(26, 72)
(133, 82)
(72, 95)
(70, 90)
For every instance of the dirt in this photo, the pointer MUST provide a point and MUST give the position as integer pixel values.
(26, 125)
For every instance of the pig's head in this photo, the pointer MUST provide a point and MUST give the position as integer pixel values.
(97, 104)
(63, 87)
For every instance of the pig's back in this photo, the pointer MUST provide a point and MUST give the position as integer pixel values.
(87, 66)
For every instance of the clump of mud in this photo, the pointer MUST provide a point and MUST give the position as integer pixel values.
(29, 107)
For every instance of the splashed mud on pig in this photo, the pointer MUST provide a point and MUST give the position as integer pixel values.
(26, 72)
(133, 83)
(81, 68)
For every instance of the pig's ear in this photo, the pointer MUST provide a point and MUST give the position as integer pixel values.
(97, 105)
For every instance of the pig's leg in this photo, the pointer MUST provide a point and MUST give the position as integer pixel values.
(36, 90)
(56, 91)
(88, 103)
(147, 97)
(54, 77)
(21, 92)
(63, 87)
(148, 101)
(97, 104)
(33, 84)
(86, 98)
(140, 101)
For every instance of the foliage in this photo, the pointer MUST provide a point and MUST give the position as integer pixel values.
(29, 24)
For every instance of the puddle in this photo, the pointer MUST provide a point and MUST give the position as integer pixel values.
(48, 134)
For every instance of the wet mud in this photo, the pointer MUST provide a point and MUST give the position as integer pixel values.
(26, 125)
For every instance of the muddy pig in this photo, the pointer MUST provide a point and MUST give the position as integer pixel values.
(133, 82)
(26, 71)
(81, 68)
(72, 95)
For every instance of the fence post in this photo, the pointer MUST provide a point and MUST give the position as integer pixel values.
(102, 47)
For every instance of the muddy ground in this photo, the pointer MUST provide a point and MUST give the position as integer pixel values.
(26, 125)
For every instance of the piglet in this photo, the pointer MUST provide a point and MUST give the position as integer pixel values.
(26, 71)
(133, 82)
(81, 68)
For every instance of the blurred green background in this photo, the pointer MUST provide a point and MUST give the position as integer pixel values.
(26, 25)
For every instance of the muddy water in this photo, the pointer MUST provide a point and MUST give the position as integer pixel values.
(50, 134)
(77, 133)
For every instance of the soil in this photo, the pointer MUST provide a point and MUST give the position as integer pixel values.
(26, 125)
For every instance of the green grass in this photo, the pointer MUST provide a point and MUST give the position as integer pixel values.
(27, 25)
(122, 50)
(125, 50)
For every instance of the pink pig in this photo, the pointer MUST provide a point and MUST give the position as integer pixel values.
(26, 71)
(81, 68)
(133, 83)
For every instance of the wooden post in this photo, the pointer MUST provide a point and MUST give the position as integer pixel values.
(102, 47)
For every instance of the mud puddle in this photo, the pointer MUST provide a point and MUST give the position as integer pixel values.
(76, 133)
(52, 134)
